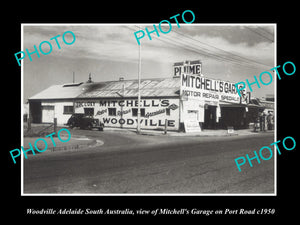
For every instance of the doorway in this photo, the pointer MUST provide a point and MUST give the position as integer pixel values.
(210, 114)
(35, 113)
(192, 115)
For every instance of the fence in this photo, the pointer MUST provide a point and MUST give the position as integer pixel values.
(45, 130)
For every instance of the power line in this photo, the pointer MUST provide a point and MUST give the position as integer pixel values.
(230, 53)
(233, 57)
(184, 45)
(272, 34)
(200, 51)
(259, 34)
(207, 52)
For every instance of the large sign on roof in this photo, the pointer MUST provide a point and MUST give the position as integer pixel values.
(202, 88)
(187, 67)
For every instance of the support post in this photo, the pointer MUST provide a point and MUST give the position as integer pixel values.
(55, 125)
(166, 121)
(139, 92)
(28, 122)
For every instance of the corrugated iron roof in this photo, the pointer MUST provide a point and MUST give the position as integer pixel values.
(58, 92)
(113, 89)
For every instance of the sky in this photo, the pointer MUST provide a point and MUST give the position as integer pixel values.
(228, 52)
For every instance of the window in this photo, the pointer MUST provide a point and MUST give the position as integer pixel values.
(88, 111)
(142, 112)
(135, 112)
(168, 113)
(68, 109)
(48, 107)
(112, 111)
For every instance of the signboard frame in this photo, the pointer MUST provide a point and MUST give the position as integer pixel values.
(191, 126)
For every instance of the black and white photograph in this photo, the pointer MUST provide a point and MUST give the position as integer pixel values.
(191, 133)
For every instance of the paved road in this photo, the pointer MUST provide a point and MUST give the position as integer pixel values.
(128, 163)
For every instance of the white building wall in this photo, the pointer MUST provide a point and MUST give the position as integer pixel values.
(192, 110)
(57, 111)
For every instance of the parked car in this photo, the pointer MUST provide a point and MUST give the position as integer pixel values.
(84, 122)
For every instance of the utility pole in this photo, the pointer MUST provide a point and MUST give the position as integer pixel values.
(139, 92)
(73, 99)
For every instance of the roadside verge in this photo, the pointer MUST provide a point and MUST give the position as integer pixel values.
(75, 143)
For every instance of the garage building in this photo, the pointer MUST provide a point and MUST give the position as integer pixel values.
(162, 103)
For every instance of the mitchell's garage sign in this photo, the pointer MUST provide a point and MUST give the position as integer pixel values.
(155, 113)
(202, 88)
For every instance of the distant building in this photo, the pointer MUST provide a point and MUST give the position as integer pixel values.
(269, 97)
(268, 106)
(25, 111)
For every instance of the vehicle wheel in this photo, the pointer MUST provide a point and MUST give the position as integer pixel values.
(72, 125)
(100, 128)
(89, 126)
